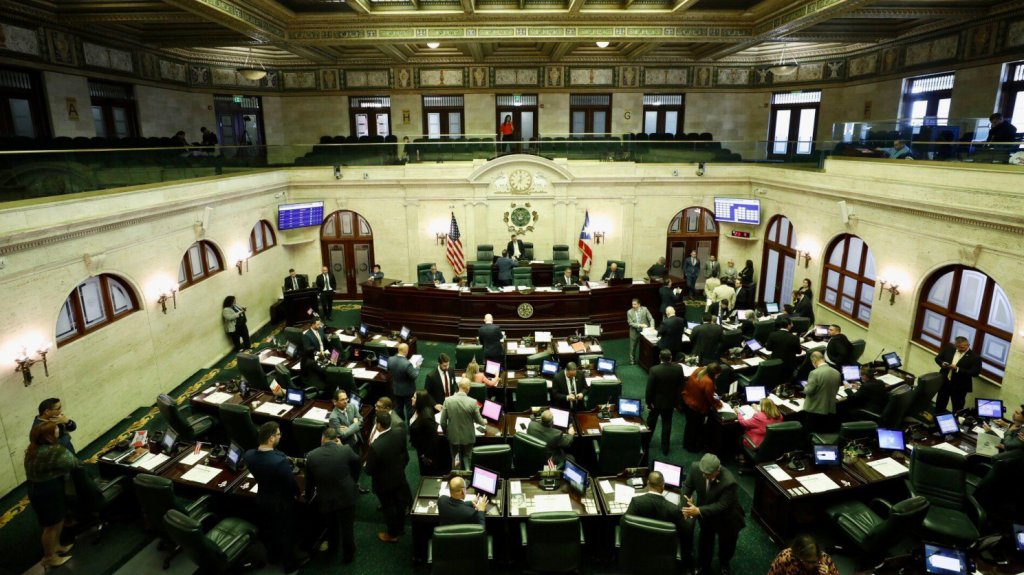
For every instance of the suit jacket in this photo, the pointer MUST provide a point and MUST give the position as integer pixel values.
(654, 506)
(871, 396)
(423, 434)
(707, 338)
(301, 280)
(489, 336)
(273, 473)
(310, 343)
(347, 419)
(691, 268)
(560, 389)
(839, 349)
(560, 281)
(505, 266)
(436, 277)
(668, 297)
(963, 378)
(454, 512)
(664, 382)
(386, 463)
(745, 297)
(554, 438)
(403, 375)
(746, 275)
(331, 474)
(785, 346)
(434, 385)
(712, 269)
(609, 275)
(804, 308)
(820, 394)
(518, 251)
(459, 417)
(719, 505)
(670, 334)
(635, 317)
(320, 281)
(657, 271)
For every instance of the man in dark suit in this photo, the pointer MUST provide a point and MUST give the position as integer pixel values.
(868, 395)
(668, 296)
(455, 510)
(294, 281)
(670, 334)
(490, 337)
(386, 465)
(839, 349)
(664, 382)
(332, 471)
(959, 366)
(515, 248)
(440, 383)
(556, 439)
(706, 338)
(804, 307)
(711, 497)
(785, 346)
(505, 266)
(434, 275)
(566, 278)
(613, 272)
(653, 505)
(568, 388)
(691, 271)
(403, 380)
(658, 271)
(326, 283)
(275, 499)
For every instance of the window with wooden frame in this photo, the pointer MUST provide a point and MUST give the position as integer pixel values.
(94, 303)
(663, 113)
(113, 109)
(201, 260)
(262, 237)
(22, 108)
(443, 116)
(848, 280)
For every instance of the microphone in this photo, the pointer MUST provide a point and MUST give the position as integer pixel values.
(876, 357)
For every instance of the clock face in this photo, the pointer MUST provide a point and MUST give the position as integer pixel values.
(520, 216)
(520, 180)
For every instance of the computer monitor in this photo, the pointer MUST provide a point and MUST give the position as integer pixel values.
(947, 424)
(673, 473)
(355, 400)
(170, 438)
(755, 393)
(404, 333)
(1018, 536)
(492, 367)
(891, 439)
(294, 396)
(382, 362)
(592, 330)
(291, 349)
(605, 365)
(485, 481)
(851, 373)
(549, 367)
(363, 330)
(491, 410)
(821, 331)
(771, 307)
(575, 476)
(629, 407)
(989, 408)
(743, 314)
(335, 355)
(691, 324)
(753, 345)
(827, 455)
(234, 457)
(561, 417)
(940, 560)
(892, 360)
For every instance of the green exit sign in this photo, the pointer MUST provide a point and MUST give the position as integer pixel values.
(238, 99)
(517, 98)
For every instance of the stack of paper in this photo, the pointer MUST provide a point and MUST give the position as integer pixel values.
(194, 458)
(564, 347)
(890, 379)
(777, 472)
(888, 467)
(345, 338)
(813, 345)
(752, 361)
(217, 397)
(949, 447)
(689, 369)
(151, 461)
(818, 483)
(363, 373)
(557, 502)
(201, 474)
(271, 408)
(273, 360)
(317, 413)
(624, 493)
(747, 411)
(595, 348)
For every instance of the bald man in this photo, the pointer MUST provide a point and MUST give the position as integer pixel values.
(454, 509)
(490, 338)
(403, 380)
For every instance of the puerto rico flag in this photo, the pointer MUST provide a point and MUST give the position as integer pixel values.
(587, 256)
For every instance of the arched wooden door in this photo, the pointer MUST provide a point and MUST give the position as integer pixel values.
(693, 228)
(346, 247)
(778, 262)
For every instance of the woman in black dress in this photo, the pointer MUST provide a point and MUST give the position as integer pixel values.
(47, 465)
(747, 273)
(424, 438)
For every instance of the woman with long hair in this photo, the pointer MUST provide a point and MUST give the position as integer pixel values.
(233, 317)
(474, 375)
(506, 131)
(47, 465)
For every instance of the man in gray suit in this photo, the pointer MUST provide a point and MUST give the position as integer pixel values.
(556, 440)
(345, 420)
(459, 417)
(332, 471)
(820, 402)
(403, 380)
(638, 317)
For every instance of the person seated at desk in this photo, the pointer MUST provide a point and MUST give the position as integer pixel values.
(839, 349)
(453, 509)
(765, 413)
(435, 276)
(566, 278)
(294, 281)
(377, 274)
(803, 557)
(613, 272)
(474, 375)
(556, 439)
(345, 420)
(658, 271)
(505, 266)
(720, 309)
(1013, 435)
(653, 505)
(869, 394)
(898, 151)
(568, 388)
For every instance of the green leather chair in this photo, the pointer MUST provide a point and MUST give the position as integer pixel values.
(497, 458)
(485, 254)
(188, 428)
(529, 455)
(478, 391)
(308, 434)
(156, 497)
(560, 252)
(762, 329)
(423, 272)
(460, 549)
(997, 488)
(93, 497)
(522, 276)
(539, 357)
(379, 349)
(921, 409)
(553, 541)
(602, 392)
(618, 448)
(779, 438)
(768, 374)
(800, 324)
(849, 431)
(895, 408)
(237, 422)
(253, 373)
(941, 477)
(694, 313)
(858, 349)
(340, 378)
(620, 263)
(877, 529)
(528, 250)
(482, 275)
(464, 354)
(531, 392)
(215, 551)
(293, 335)
(646, 545)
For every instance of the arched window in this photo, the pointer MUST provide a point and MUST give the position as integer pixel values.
(848, 284)
(778, 264)
(261, 238)
(962, 301)
(96, 302)
(201, 261)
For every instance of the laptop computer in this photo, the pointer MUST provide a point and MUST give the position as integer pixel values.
(771, 307)
(605, 366)
(892, 360)
(755, 393)
(492, 368)
(1018, 536)
(234, 460)
(673, 473)
(491, 410)
(851, 373)
(485, 481)
(549, 368)
(561, 418)
(575, 476)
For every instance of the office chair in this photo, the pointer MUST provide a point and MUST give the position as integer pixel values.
(423, 272)
(730, 339)
(877, 529)
(921, 409)
(539, 357)
(465, 354)
(531, 392)
(762, 329)
(251, 370)
(478, 391)
(553, 541)
(618, 448)
(849, 431)
(188, 428)
(308, 434)
(497, 458)
(309, 382)
(529, 455)
(156, 497)
(482, 275)
(892, 414)
(457, 549)
(941, 477)
(93, 497)
(522, 276)
(485, 254)
(800, 324)
(528, 250)
(646, 545)
(294, 335)
(858, 349)
(768, 374)
(621, 267)
(216, 551)
(997, 488)
(560, 252)
(779, 438)
(340, 378)
(237, 422)
(603, 392)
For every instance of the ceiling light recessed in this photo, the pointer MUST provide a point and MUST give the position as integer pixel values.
(433, 45)
(602, 44)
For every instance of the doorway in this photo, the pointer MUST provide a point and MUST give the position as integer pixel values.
(523, 110)
(346, 247)
(693, 228)
(240, 126)
(778, 264)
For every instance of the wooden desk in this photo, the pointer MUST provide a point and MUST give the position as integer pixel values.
(588, 424)
(221, 483)
(424, 516)
(524, 503)
(245, 487)
(783, 512)
(541, 271)
(616, 508)
(114, 468)
(868, 475)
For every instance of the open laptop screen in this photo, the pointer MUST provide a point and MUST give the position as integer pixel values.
(575, 475)
(944, 560)
(606, 366)
(755, 393)
(891, 439)
(492, 367)
(294, 396)
(382, 362)
(1018, 536)
(851, 373)
(485, 481)
(771, 307)
(947, 424)
(234, 456)
(404, 333)
(629, 407)
(753, 345)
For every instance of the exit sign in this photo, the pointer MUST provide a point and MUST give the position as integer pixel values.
(237, 99)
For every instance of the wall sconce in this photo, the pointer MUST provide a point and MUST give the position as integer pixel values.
(239, 264)
(804, 255)
(893, 289)
(337, 172)
(598, 236)
(168, 294)
(25, 363)
(440, 238)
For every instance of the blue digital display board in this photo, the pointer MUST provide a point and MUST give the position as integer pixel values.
(738, 211)
(291, 216)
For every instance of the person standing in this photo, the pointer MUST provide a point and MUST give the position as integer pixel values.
(556, 440)
(344, 420)
(638, 317)
(568, 388)
(670, 334)
(706, 339)
(711, 496)
(959, 365)
(664, 382)
(424, 438)
(403, 380)
(712, 269)
(332, 471)
(506, 131)
(785, 346)
(51, 410)
(453, 509)
(803, 556)
(699, 402)
(515, 248)
(386, 464)
(294, 281)
(668, 296)
(505, 265)
(490, 337)
(747, 273)
(756, 426)
(47, 465)
(326, 283)
(276, 496)
(459, 418)
(820, 395)
(233, 317)
(730, 273)
(440, 382)
(691, 271)
(804, 306)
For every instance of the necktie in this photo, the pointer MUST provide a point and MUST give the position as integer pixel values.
(327, 283)
(444, 375)
(316, 334)
(572, 385)
(295, 283)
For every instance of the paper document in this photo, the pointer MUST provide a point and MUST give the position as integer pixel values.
(689, 369)
(345, 338)
(946, 446)
(515, 487)
(777, 472)
(606, 486)
(752, 361)
(888, 467)
(194, 458)
(389, 342)
(818, 483)
(595, 348)
(218, 397)
(416, 360)
(317, 413)
(151, 461)
(890, 379)
(624, 493)
(273, 360)
(271, 408)
(542, 336)
(363, 373)
(564, 347)
(201, 474)
(557, 502)
(522, 423)
(526, 351)
(672, 497)
(747, 411)
(813, 345)
(841, 393)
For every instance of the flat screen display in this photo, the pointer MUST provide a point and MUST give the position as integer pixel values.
(742, 314)
(290, 350)
(755, 393)
(549, 367)
(851, 373)
(363, 330)
(234, 456)
(738, 211)
(294, 396)
(989, 408)
(892, 360)
(491, 410)
(576, 476)
(1018, 536)
(485, 481)
(335, 354)
(382, 363)
(629, 407)
(304, 215)
(355, 400)
(492, 367)
(827, 455)
(673, 473)
(170, 437)
(771, 307)
(753, 345)
(891, 439)
(944, 560)
(561, 417)
(821, 331)
(947, 424)
(404, 333)
(606, 366)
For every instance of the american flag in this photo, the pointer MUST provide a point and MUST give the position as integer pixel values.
(588, 253)
(456, 259)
